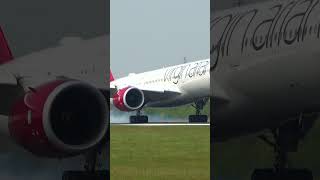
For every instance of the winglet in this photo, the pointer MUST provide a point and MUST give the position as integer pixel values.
(111, 77)
(5, 52)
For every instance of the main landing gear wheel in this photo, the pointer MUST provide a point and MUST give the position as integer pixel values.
(83, 175)
(286, 139)
(198, 118)
(90, 172)
(284, 174)
(138, 118)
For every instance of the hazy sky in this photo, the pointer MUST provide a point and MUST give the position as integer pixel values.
(150, 34)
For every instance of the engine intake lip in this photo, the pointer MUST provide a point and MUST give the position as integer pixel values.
(130, 93)
(50, 121)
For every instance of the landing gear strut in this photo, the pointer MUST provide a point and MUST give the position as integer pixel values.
(286, 139)
(138, 118)
(198, 117)
(90, 172)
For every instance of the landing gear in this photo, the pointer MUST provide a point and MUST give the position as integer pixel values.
(198, 117)
(138, 118)
(284, 174)
(90, 172)
(286, 139)
(84, 175)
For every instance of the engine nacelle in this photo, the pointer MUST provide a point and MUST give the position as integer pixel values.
(59, 119)
(128, 99)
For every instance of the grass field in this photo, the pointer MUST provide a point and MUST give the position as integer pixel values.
(160, 153)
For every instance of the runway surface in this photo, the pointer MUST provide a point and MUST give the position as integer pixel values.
(163, 124)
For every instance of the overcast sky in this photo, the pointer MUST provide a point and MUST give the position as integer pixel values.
(150, 34)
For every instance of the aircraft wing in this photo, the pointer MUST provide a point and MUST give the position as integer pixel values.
(13, 86)
(156, 94)
(152, 93)
(218, 95)
(9, 91)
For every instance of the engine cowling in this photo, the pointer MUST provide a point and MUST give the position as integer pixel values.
(59, 119)
(128, 99)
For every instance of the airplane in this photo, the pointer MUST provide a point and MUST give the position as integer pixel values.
(167, 87)
(265, 77)
(56, 102)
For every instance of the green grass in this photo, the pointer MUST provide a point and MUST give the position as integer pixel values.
(160, 153)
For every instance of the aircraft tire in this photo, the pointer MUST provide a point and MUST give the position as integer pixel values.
(198, 118)
(138, 119)
(284, 174)
(85, 175)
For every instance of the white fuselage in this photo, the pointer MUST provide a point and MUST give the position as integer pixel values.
(265, 64)
(191, 81)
